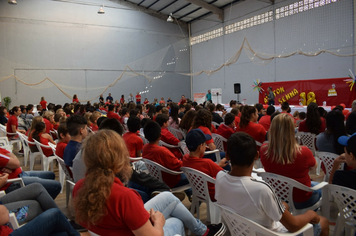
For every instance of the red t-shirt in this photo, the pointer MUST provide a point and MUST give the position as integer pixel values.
(146, 102)
(125, 211)
(299, 170)
(265, 121)
(43, 104)
(226, 132)
(94, 127)
(169, 138)
(303, 126)
(256, 131)
(164, 157)
(49, 126)
(47, 151)
(60, 149)
(3, 162)
(237, 120)
(206, 166)
(11, 121)
(75, 100)
(113, 115)
(138, 98)
(122, 100)
(133, 143)
(55, 126)
(5, 230)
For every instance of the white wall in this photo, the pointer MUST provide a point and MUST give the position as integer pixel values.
(83, 52)
(327, 27)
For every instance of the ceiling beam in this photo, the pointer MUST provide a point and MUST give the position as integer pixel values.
(209, 7)
(151, 12)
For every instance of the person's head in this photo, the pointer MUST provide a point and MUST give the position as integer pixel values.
(302, 115)
(349, 143)
(105, 155)
(335, 126)
(101, 119)
(198, 107)
(187, 120)
(40, 127)
(203, 118)
(49, 115)
(165, 111)
(296, 114)
(77, 126)
(235, 111)
(124, 111)
(313, 121)
(152, 131)
(188, 107)
(233, 103)
(133, 124)
(285, 106)
(230, 120)
(133, 112)
(353, 106)
(122, 96)
(57, 117)
(241, 150)
(63, 134)
(270, 110)
(162, 120)
(3, 111)
(322, 112)
(211, 107)
(282, 146)
(29, 108)
(259, 107)
(181, 107)
(42, 98)
(75, 96)
(174, 112)
(111, 107)
(274, 114)
(35, 120)
(94, 117)
(112, 124)
(15, 111)
(195, 141)
(183, 97)
(269, 88)
(248, 113)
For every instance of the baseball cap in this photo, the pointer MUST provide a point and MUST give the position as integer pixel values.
(349, 142)
(195, 137)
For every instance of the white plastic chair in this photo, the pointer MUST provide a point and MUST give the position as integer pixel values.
(217, 154)
(284, 187)
(345, 199)
(219, 141)
(133, 159)
(216, 125)
(33, 155)
(199, 182)
(241, 226)
(26, 148)
(4, 143)
(176, 132)
(54, 134)
(156, 170)
(45, 160)
(11, 141)
(161, 143)
(308, 139)
(328, 159)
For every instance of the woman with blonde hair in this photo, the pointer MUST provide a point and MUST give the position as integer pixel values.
(48, 119)
(282, 155)
(105, 206)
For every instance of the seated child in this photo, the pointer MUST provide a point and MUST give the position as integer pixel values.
(57, 116)
(345, 178)
(195, 141)
(260, 203)
(133, 141)
(64, 138)
(227, 128)
(167, 136)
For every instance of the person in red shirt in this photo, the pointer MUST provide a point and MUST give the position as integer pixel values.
(44, 138)
(202, 121)
(227, 128)
(64, 138)
(138, 98)
(283, 156)
(12, 123)
(167, 136)
(93, 121)
(286, 109)
(112, 114)
(75, 98)
(183, 100)
(265, 120)
(237, 114)
(122, 99)
(249, 116)
(162, 102)
(313, 123)
(146, 101)
(43, 104)
(195, 141)
(48, 119)
(134, 142)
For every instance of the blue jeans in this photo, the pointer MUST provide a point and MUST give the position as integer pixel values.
(312, 200)
(51, 222)
(176, 214)
(46, 178)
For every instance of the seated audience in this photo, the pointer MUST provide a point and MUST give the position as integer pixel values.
(227, 128)
(351, 123)
(216, 117)
(187, 121)
(132, 139)
(105, 156)
(260, 203)
(237, 114)
(112, 114)
(40, 136)
(265, 120)
(12, 124)
(286, 109)
(174, 120)
(64, 138)
(3, 118)
(48, 119)
(314, 123)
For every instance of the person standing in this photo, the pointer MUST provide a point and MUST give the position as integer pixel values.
(110, 98)
(138, 98)
(208, 96)
(270, 96)
(130, 98)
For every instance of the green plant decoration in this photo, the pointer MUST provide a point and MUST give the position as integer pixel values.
(7, 101)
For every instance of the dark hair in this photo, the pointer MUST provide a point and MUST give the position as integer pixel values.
(229, 118)
(203, 118)
(235, 111)
(232, 102)
(246, 113)
(188, 107)
(187, 120)
(259, 107)
(285, 106)
(161, 119)
(241, 149)
(101, 119)
(270, 110)
(335, 126)
(151, 110)
(29, 107)
(351, 123)
(211, 107)
(133, 112)
(198, 108)
(174, 112)
(57, 117)
(321, 111)
(144, 121)
(111, 107)
(274, 115)
(152, 131)
(351, 148)
(133, 124)
(75, 123)
(158, 108)
(181, 106)
(112, 124)
(39, 127)
(302, 115)
(219, 107)
(313, 121)
(124, 111)
(2, 113)
(62, 129)
(13, 110)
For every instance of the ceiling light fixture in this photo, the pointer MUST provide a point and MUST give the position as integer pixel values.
(13, 2)
(170, 18)
(101, 10)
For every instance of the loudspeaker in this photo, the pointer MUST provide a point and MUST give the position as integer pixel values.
(237, 88)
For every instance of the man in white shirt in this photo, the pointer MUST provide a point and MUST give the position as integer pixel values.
(258, 200)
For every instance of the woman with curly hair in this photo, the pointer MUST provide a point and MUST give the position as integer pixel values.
(105, 206)
(249, 116)
(203, 121)
(314, 123)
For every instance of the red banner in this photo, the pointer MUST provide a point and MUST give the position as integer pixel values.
(301, 92)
